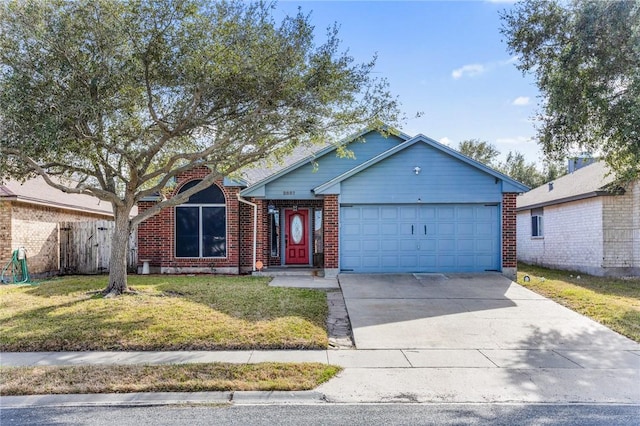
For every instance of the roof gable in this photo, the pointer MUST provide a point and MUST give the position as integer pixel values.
(258, 189)
(509, 185)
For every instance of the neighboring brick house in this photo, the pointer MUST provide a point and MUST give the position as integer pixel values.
(575, 224)
(29, 216)
(399, 204)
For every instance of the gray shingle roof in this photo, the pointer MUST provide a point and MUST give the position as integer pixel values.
(583, 183)
(36, 191)
(263, 169)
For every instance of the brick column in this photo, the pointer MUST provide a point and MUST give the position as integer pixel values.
(5, 233)
(331, 213)
(509, 254)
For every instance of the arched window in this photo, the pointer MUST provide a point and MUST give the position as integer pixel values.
(201, 223)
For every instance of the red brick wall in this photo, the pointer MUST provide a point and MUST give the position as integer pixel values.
(331, 231)
(509, 257)
(156, 235)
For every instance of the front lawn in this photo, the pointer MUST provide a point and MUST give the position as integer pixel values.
(169, 313)
(163, 378)
(613, 302)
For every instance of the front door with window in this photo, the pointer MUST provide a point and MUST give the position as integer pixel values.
(296, 237)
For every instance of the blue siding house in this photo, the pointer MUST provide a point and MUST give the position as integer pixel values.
(398, 204)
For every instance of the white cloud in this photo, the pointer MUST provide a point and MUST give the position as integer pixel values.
(521, 101)
(445, 141)
(472, 70)
(515, 140)
(469, 70)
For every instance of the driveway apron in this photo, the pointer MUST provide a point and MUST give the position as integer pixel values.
(465, 311)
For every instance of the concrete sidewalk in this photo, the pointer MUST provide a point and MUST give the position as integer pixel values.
(425, 375)
(353, 359)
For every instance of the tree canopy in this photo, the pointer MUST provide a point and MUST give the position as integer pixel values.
(122, 96)
(481, 151)
(514, 166)
(585, 56)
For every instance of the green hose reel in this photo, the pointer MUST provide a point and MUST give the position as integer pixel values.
(16, 268)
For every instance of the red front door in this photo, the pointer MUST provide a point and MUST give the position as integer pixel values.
(296, 237)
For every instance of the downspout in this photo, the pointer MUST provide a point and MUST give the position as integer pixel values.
(255, 229)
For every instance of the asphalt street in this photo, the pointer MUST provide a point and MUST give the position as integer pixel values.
(329, 414)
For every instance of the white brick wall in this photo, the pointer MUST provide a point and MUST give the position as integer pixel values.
(572, 236)
(618, 231)
(635, 215)
(600, 235)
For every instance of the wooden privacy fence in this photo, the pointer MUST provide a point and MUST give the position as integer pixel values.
(85, 247)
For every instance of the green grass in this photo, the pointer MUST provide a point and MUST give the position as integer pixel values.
(163, 378)
(169, 313)
(612, 302)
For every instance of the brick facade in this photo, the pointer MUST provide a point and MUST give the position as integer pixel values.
(156, 235)
(331, 232)
(35, 227)
(509, 243)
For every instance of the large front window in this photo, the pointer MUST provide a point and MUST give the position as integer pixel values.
(201, 224)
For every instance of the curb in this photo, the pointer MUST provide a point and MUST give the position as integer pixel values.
(163, 398)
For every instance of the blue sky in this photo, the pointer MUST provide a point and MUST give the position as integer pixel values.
(443, 58)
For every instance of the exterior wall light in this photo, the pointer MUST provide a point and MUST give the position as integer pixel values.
(417, 170)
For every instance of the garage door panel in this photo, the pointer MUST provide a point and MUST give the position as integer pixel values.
(389, 229)
(389, 213)
(390, 262)
(447, 262)
(446, 245)
(370, 261)
(466, 246)
(390, 246)
(466, 229)
(420, 238)
(370, 229)
(466, 261)
(408, 245)
(408, 213)
(445, 213)
(350, 229)
(446, 228)
(428, 245)
(428, 261)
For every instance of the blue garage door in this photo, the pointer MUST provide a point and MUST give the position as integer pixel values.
(420, 238)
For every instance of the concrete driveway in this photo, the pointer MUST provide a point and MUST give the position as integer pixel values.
(465, 311)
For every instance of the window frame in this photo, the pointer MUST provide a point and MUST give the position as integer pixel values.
(200, 207)
(537, 223)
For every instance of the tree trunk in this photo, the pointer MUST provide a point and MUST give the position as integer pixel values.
(119, 245)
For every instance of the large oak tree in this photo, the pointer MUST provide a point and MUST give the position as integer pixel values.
(122, 96)
(585, 56)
